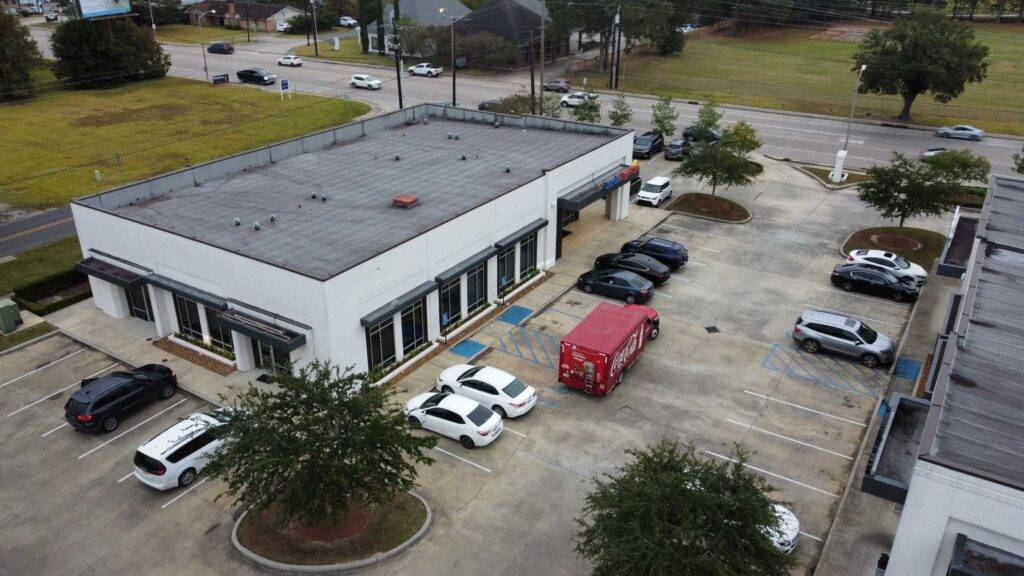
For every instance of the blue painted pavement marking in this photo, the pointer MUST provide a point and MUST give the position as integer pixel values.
(468, 348)
(515, 315)
(825, 369)
(524, 343)
(907, 368)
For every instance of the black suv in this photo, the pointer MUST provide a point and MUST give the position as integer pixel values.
(648, 144)
(101, 402)
(669, 253)
(221, 48)
(256, 76)
(871, 280)
(676, 149)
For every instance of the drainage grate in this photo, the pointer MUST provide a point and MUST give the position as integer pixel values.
(712, 329)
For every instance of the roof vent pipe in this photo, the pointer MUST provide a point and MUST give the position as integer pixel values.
(256, 226)
(323, 197)
(238, 222)
(273, 218)
(463, 156)
(456, 135)
(397, 157)
(508, 167)
(313, 196)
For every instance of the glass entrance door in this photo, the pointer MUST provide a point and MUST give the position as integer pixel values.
(138, 302)
(269, 358)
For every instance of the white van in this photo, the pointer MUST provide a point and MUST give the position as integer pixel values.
(177, 455)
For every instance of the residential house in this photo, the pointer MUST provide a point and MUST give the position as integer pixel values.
(257, 16)
(424, 13)
(516, 20)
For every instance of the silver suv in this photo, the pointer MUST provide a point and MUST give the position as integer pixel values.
(816, 330)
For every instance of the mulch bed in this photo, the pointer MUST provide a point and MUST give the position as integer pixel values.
(361, 533)
(66, 293)
(915, 244)
(194, 357)
(710, 207)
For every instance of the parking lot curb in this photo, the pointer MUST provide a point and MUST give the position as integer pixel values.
(744, 221)
(28, 343)
(341, 567)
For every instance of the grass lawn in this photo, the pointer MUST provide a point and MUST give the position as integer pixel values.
(20, 337)
(189, 34)
(973, 199)
(53, 144)
(915, 244)
(37, 263)
(710, 206)
(350, 51)
(822, 174)
(792, 69)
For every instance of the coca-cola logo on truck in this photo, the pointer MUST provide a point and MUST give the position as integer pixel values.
(625, 352)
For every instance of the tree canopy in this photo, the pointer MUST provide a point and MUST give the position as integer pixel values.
(100, 53)
(620, 113)
(663, 117)
(720, 157)
(1018, 161)
(18, 55)
(923, 52)
(324, 439)
(671, 512)
(588, 111)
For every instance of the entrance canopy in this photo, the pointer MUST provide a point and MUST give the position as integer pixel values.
(261, 330)
(106, 271)
(599, 187)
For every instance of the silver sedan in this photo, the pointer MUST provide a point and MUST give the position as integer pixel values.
(963, 131)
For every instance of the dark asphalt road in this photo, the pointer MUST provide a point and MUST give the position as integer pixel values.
(35, 230)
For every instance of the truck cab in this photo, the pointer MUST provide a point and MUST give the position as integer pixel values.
(653, 320)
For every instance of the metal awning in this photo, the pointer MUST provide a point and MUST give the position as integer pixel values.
(106, 271)
(521, 233)
(261, 330)
(186, 291)
(457, 270)
(598, 188)
(389, 309)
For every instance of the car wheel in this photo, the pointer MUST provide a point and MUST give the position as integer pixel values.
(500, 411)
(446, 389)
(846, 286)
(415, 422)
(467, 442)
(898, 296)
(109, 424)
(811, 346)
(588, 288)
(630, 299)
(654, 333)
(870, 360)
(564, 104)
(354, 85)
(167, 391)
(187, 477)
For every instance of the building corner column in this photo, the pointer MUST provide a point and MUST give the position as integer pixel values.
(433, 312)
(396, 325)
(243, 351)
(492, 279)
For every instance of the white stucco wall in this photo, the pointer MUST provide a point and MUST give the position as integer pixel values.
(942, 503)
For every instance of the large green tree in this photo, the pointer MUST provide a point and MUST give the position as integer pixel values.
(720, 157)
(923, 52)
(325, 440)
(663, 117)
(620, 113)
(18, 55)
(588, 111)
(99, 53)
(670, 512)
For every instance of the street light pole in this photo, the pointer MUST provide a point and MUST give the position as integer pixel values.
(202, 45)
(853, 105)
(442, 11)
(152, 23)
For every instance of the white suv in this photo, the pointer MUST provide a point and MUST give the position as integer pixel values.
(424, 69)
(655, 191)
(890, 262)
(175, 456)
(365, 81)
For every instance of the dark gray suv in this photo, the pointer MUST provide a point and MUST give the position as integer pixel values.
(815, 330)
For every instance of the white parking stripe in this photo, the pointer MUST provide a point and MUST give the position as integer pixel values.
(815, 538)
(779, 476)
(695, 264)
(854, 422)
(812, 307)
(44, 366)
(678, 277)
(51, 394)
(507, 429)
(126, 476)
(780, 436)
(443, 451)
(878, 300)
(708, 249)
(176, 404)
(45, 434)
(187, 490)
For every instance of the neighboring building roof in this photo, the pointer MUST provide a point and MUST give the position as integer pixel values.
(512, 19)
(355, 167)
(250, 10)
(423, 13)
(976, 422)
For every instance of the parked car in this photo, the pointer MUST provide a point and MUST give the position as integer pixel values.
(963, 131)
(505, 394)
(595, 355)
(425, 69)
(890, 262)
(669, 253)
(929, 152)
(101, 403)
(648, 144)
(176, 456)
(256, 76)
(283, 26)
(574, 99)
(786, 533)
(221, 48)
(641, 264)
(366, 81)
(870, 280)
(456, 417)
(488, 105)
(655, 191)
(348, 22)
(815, 330)
(289, 60)
(556, 85)
(676, 149)
(692, 135)
(620, 284)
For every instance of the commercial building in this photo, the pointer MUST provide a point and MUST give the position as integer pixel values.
(363, 244)
(963, 507)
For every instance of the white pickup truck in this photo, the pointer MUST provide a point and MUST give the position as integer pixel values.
(425, 69)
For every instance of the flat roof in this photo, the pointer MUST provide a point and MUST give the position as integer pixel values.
(355, 167)
(976, 423)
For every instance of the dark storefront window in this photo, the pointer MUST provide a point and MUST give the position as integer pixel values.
(271, 358)
(220, 336)
(138, 302)
(380, 341)
(450, 302)
(476, 287)
(187, 313)
(506, 267)
(527, 255)
(414, 326)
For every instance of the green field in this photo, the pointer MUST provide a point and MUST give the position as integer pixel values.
(54, 144)
(189, 34)
(350, 51)
(37, 263)
(794, 70)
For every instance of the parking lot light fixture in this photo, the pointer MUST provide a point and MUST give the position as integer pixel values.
(202, 45)
(837, 171)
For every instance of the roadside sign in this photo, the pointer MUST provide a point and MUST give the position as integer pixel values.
(460, 62)
(219, 79)
(286, 86)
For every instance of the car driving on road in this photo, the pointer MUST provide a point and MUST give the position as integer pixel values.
(620, 284)
(574, 99)
(815, 330)
(101, 403)
(256, 76)
(962, 131)
(935, 151)
(669, 253)
(890, 262)
(557, 85)
(641, 264)
(177, 455)
(221, 48)
(426, 69)
(852, 277)
(365, 81)
(505, 394)
(454, 416)
(289, 60)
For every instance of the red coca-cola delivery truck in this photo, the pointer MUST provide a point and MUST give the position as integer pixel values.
(596, 353)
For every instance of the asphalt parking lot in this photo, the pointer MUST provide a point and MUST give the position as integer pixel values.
(68, 502)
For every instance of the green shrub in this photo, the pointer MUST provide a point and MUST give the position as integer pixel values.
(30, 296)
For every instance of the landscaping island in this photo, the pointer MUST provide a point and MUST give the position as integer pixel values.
(708, 206)
(915, 244)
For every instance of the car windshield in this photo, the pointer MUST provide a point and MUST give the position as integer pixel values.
(666, 244)
(676, 143)
(480, 415)
(867, 334)
(651, 188)
(471, 372)
(371, 79)
(903, 264)
(514, 388)
(433, 401)
(222, 416)
(77, 407)
(643, 140)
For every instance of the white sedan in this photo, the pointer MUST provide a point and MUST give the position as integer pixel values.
(787, 532)
(425, 69)
(890, 262)
(365, 81)
(456, 417)
(574, 99)
(289, 60)
(504, 393)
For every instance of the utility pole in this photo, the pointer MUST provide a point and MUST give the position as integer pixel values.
(305, 19)
(542, 63)
(202, 45)
(316, 44)
(398, 51)
(441, 11)
(615, 48)
(618, 55)
(248, 24)
(533, 87)
(381, 47)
